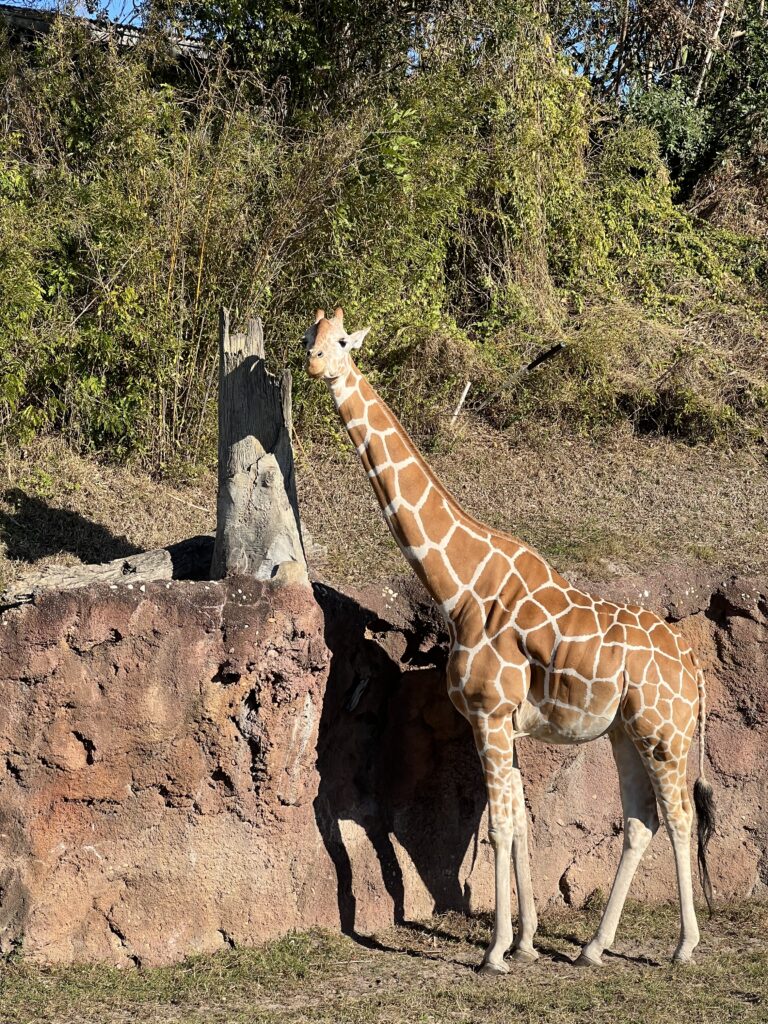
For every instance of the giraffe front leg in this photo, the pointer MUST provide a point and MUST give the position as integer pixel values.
(527, 921)
(496, 750)
(493, 960)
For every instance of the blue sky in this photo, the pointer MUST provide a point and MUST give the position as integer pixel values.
(121, 11)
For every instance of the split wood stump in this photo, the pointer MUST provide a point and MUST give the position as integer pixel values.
(258, 532)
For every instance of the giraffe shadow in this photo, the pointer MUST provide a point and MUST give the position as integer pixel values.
(373, 943)
(445, 936)
(553, 953)
(578, 942)
(639, 961)
(33, 529)
(397, 763)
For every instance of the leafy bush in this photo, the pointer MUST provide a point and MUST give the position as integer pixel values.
(682, 127)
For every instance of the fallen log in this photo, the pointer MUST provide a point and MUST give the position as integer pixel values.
(188, 560)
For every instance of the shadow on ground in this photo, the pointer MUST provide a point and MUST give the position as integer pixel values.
(32, 529)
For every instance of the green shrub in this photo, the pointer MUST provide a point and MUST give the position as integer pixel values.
(472, 211)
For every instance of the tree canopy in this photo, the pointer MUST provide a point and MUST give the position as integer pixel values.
(476, 180)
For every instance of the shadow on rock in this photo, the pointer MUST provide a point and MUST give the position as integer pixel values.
(395, 760)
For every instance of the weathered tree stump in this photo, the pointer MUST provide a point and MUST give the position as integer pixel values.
(258, 531)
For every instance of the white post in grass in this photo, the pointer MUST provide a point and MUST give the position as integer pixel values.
(457, 410)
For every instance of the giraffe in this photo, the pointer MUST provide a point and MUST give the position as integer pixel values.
(531, 655)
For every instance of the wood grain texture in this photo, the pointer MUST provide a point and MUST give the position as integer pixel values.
(258, 529)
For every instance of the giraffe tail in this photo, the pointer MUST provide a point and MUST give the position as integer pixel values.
(703, 800)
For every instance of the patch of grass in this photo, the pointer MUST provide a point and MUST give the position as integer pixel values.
(702, 552)
(424, 972)
(200, 988)
(589, 543)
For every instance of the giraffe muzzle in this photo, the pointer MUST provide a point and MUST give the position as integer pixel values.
(315, 364)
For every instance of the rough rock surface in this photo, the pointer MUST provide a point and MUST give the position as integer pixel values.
(159, 750)
(194, 765)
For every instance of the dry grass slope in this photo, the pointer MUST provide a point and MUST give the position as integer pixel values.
(596, 507)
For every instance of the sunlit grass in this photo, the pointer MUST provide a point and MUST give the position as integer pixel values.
(425, 973)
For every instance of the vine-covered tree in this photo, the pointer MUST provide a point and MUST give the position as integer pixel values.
(478, 179)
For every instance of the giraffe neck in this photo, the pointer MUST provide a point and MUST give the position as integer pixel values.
(428, 524)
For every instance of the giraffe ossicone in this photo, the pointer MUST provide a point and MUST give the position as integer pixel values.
(532, 655)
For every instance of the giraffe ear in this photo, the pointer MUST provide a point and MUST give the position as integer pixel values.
(319, 314)
(356, 340)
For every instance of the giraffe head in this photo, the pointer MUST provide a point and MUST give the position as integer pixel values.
(328, 345)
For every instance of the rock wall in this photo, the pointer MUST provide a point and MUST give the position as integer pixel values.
(159, 770)
(192, 765)
(415, 784)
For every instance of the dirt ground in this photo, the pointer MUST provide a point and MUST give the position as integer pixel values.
(425, 972)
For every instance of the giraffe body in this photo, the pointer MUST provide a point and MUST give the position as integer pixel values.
(532, 655)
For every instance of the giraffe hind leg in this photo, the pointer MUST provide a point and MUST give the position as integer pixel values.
(669, 780)
(664, 753)
(641, 821)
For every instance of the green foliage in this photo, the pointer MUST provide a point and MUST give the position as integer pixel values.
(471, 210)
(736, 96)
(682, 128)
(314, 54)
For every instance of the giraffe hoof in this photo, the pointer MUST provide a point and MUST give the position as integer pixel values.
(493, 967)
(682, 958)
(587, 961)
(524, 956)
